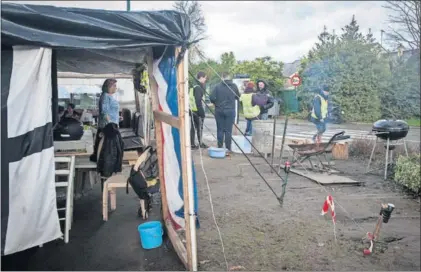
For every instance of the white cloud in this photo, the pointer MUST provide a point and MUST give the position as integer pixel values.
(285, 30)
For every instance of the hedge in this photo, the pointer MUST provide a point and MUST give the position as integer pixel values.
(408, 172)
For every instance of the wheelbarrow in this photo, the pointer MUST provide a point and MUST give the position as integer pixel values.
(304, 152)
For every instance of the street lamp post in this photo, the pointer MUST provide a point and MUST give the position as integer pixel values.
(128, 5)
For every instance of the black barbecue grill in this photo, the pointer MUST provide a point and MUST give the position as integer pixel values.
(390, 129)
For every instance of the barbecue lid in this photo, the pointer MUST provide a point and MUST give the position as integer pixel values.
(390, 125)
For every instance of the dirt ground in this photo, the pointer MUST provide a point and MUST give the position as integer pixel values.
(260, 235)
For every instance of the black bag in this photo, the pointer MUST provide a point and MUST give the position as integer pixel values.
(138, 182)
(137, 179)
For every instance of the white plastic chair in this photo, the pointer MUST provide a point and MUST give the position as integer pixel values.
(69, 171)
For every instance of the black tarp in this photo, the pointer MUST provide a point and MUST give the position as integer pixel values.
(74, 28)
(93, 41)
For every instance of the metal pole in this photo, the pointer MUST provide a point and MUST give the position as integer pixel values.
(273, 141)
(387, 157)
(283, 140)
(128, 5)
(371, 156)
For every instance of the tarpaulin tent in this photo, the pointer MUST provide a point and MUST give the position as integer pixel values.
(38, 41)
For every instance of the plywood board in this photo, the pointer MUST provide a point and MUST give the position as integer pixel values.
(325, 179)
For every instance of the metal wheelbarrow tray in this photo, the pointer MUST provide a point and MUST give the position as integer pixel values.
(303, 152)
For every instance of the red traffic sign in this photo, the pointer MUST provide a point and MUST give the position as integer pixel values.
(296, 80)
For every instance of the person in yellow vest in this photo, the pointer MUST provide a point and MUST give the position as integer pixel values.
(319, 112)
(197, 112)
(250, 111)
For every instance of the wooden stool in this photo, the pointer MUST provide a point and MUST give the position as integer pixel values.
(110, 186)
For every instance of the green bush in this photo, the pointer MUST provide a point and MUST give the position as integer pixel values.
(408, 172)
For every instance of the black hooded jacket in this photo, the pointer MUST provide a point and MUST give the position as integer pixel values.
(264, 91)
(224, 95)
(111, 154)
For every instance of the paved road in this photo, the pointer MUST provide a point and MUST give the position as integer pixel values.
(305, 130)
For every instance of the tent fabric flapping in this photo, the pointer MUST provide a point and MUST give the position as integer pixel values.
(76, 28)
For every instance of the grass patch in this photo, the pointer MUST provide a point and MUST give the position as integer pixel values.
(414, 122)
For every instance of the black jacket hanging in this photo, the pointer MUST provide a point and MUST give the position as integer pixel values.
(111, 154)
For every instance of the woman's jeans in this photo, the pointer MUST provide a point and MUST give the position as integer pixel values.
(224, 122)
(320, 126)
(249, 127)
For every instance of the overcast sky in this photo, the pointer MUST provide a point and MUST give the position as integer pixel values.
(285, 30)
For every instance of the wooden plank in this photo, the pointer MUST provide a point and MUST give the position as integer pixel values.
(87, 76)
(76, 154)
(176, 242)
(167, 118)
(158, 135)
(185, 153)
(130, 155)
(325, 179)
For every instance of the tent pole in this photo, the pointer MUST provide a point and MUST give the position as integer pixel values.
(54, 87)
(158, 135)
(186, 161)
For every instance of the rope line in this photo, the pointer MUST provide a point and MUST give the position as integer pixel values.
(210, 201)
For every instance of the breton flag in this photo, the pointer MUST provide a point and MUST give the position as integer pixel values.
(28, 198)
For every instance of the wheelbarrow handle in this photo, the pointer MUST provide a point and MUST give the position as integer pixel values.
(335, 136)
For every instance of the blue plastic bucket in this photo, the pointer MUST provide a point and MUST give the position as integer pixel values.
(150, 234)
(217, 153)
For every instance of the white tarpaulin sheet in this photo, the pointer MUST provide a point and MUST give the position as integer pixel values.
(28, 211)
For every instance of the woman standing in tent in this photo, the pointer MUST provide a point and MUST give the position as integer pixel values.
(108, 111)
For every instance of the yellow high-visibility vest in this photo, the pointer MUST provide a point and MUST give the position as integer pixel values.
(323, 108)
(192, 100)
(249, 110)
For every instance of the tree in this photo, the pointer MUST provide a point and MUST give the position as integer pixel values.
(351, 66)
(193, 10)
(406, 23)
(228, 61)
(264, 68)
(402, 100)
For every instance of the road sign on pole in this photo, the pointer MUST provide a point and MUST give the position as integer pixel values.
(296, 80)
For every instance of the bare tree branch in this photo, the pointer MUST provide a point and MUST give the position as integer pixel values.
(193, 10)
(406, 23)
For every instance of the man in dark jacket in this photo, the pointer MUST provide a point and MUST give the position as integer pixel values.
(197, 112)
(224, 97)
(262, 91)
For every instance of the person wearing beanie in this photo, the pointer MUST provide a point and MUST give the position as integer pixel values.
(319, 112)
(250, 110)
